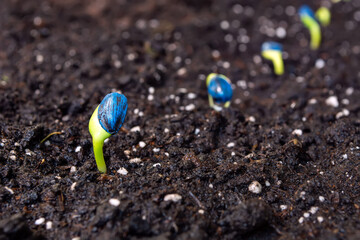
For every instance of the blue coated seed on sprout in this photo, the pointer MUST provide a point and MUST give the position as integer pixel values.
(307, 17)
(105, 121)
(219, 90)
(273, 51)
(112, 112)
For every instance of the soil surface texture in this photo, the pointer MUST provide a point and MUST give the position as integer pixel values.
(282, 162)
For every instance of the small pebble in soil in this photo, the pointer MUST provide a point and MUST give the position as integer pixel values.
(73, 169)
(13, 157)
(190, 107)
(319, 64)
(267, 183)
(211, 186)
(156, 164)
(122, 171)
(39, 221)
(251, 119)
(150, 97)
(343, 113)
(115, 202)
(226, 65)
(215, 54)
(77, 149)
(65, 118)
(197, 131)
(344, 156)
(166, 130)
(127, 152)
(39, 58)
(297, 132)
(201, 211)
(117, 64)
(27, 152)
(142, 144)
(257, 59)
(172, 197)
(9, 190)
(191, 95)
(349, 91)
(255, 187)
(302, 195)
(300, 79)
(230, 145)
(237, 9)
(320, 219)
(283, 207)
(224, 25)
(151, 90)
(313, 210)
(72, 188)
(135, 129)
(49, 225)
(312, 101)
(156, 150)
(281, 32)
(306, 215)
(345, 101)
(332, 101)
(301, 220)
(181, 71)
(135, 160)
(37, 21)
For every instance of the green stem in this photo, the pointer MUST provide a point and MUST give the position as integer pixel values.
(98, 136)
(99, 156)
(227, 104)
(315, 33)
(211, 101)
(278, 64)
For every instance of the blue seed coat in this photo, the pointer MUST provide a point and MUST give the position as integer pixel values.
(305, 10)
(220, 90)
(112, 112)
(271, 46)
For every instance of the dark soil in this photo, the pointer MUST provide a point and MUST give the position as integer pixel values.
(59, 58)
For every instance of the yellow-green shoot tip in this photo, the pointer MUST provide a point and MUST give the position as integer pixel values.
(323, 14)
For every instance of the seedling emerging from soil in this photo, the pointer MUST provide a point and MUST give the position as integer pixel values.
(273, 51)
(323, 14)
(308, 19)
(219, 91)
(106, 120)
